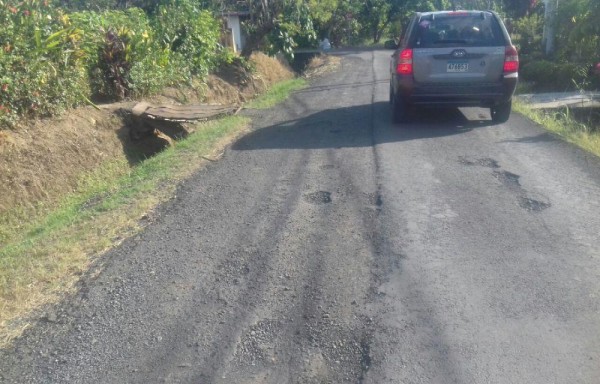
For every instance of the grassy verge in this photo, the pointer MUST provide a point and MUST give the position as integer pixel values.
(45, 250)
(277, 93)
(564, 124)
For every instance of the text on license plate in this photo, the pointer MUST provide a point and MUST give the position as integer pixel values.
(457, 66)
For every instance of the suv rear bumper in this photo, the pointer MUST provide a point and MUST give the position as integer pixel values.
(456, 95)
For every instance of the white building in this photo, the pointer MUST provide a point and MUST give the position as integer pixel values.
(234, 23)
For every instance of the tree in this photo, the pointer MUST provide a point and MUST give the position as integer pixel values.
(276, 21)
(377, 16)
(519, 8)
(336, 19)
(577, 29)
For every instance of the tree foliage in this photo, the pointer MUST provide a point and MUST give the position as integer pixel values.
(578, 29)
(274, 24)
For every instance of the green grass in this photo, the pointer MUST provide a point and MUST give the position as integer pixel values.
(564, 124)
(277, 93)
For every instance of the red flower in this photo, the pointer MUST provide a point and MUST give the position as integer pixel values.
(12, 9)
(4, 87)
(26, 13)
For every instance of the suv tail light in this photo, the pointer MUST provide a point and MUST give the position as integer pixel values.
(405, 62)
(511, 60)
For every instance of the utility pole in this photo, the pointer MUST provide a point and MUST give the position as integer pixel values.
(551, 7)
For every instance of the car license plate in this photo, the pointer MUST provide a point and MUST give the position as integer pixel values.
(457, 66)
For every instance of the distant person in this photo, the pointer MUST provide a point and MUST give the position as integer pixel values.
(325, 45)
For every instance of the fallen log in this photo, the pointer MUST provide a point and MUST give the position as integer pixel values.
(146, 118)
(182, 113)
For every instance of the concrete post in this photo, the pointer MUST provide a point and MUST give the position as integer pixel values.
(548, 38)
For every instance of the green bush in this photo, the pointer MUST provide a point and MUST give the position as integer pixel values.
(549, 76)
(41, 66)
(158, 69)
(190, 32)
(527, 33)
(120, 52)
(51, 59)
(390, 44)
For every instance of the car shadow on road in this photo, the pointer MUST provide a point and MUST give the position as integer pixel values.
(357, 126)
(330, 87)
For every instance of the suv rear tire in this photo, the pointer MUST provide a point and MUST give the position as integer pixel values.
(501, 112)
(400, 109)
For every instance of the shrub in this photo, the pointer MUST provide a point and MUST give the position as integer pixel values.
(115, 41)
(40, 61)
(527, 33)
(158, 69)
(550, 76)
(390, 44)
(51, 60)
(190, 32)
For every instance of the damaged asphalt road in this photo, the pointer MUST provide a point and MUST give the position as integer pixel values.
(329, 246)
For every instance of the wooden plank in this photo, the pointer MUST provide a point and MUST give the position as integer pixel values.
(181, 112)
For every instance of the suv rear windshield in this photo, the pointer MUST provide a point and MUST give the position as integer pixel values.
(475, 29)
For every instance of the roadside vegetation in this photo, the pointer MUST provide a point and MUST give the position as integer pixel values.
(559, 50)
(54, 58)
(575, 126)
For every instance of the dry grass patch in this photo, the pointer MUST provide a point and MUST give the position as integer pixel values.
(321, 64)
(271, 69)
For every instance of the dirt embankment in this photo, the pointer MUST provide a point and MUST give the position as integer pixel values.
(43, 159)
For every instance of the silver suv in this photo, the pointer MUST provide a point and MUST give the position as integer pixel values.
(456, 59)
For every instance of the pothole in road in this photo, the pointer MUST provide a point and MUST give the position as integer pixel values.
(328, 166)
(485, 162)
(533, 205)
(489, 163)
(257, 345)
(319, 197)
(365, 359)
(507, 178)
(375, 199)
(464, 161)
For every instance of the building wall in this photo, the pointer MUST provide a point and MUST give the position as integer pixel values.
(233, 23)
